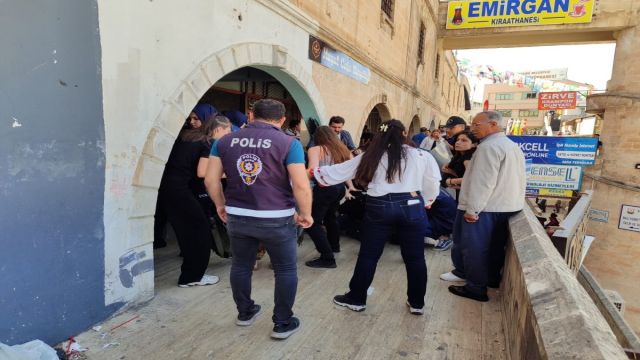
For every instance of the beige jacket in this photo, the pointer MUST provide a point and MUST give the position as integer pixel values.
(495, 180)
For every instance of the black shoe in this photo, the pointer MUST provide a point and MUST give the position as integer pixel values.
(283, 331)
(248, 318)
(344, 300)
(322, 263)
(462, 291)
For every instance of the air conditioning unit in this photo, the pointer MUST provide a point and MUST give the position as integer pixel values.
(616, 299)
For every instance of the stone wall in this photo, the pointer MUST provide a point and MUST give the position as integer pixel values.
(546, 312)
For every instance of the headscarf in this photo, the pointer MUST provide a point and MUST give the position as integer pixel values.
(237, 118)
(205, 111)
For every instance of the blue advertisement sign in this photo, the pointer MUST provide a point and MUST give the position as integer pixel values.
(558, 150)
(338, 61)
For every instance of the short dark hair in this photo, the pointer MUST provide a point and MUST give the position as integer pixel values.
(336, 120)
(268, 109)
(423, 129)
(293, 123)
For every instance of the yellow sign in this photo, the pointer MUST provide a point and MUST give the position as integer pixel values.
(506, 13)
(555, 193)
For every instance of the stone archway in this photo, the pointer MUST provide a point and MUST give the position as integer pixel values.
(379, 104)
(414, 126)
(272, 59)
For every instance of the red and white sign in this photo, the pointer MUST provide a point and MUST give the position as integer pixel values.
(557, 100)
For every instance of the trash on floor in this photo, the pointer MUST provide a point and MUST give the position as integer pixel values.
(32, 350)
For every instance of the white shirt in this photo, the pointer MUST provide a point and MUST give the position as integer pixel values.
(420, 172)
(495, 179)
(427, 143)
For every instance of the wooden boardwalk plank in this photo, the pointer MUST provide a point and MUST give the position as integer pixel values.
(198, 323)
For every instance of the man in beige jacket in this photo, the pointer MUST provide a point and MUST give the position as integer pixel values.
(493, 190)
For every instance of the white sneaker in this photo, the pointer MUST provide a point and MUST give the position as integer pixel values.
(450, 277)
(206, 280)
(415, 311)
(430, 241)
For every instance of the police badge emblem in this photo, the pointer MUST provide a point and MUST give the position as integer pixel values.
(249, 167)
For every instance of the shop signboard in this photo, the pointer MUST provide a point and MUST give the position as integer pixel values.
(558, 150)
(500, 13)
(562, 177)
(630, 218)
(321, 52)
(558, 100)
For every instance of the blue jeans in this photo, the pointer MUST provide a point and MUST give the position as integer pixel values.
(479, 249)
(279, 237)
(402, 217)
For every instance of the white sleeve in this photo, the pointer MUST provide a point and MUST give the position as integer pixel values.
(336, 174)
(430, 179)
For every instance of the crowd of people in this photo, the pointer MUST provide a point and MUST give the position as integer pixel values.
(248, 179)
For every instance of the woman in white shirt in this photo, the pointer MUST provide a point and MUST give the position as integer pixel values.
(400, 182)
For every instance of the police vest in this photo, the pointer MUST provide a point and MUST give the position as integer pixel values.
(258, 183)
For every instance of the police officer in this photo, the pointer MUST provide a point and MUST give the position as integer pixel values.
(266, 180)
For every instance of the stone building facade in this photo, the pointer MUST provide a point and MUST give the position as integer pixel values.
(149, 73)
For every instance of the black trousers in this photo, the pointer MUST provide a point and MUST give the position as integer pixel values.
(324, 212)
(192, 230)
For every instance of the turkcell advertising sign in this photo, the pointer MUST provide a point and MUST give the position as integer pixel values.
(500, 13)
(558, 150)
(562, 177)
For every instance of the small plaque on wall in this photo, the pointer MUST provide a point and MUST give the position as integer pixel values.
(630, 218)
(598, 215)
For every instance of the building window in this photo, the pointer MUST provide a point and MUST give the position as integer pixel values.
(387, 7)
(437, 72)
(504, 96)
(528, 113)
(530, 95)
(505, 113)
(423, 30)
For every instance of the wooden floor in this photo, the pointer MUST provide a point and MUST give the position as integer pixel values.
(198, 323)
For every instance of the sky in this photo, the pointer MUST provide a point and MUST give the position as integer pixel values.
(590, 64)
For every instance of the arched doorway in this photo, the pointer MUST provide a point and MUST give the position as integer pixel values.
(236, 91)
(377, 116)
(136, 228)
(414, 127)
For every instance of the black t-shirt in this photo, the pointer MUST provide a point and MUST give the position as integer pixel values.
(457, 165)
(182, 166)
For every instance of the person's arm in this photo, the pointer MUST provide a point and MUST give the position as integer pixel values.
(313, 155)
(214, 186)
(302, 193)
(299, 183)
(336, 174)
(480, 180)
(213, 174)
(202, 167)
(430, 179)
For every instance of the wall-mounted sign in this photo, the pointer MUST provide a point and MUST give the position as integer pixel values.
(598, 215)
(544, 176)
(557, 100)
(335, 60)
(630, 218)
(558, 150)
(501, 13)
